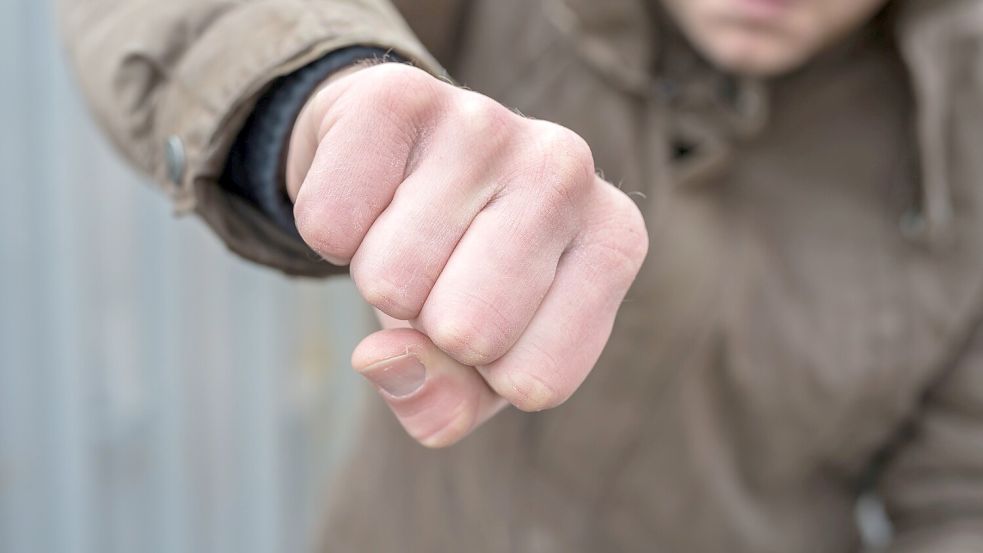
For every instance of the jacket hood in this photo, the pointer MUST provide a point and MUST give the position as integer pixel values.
(939, 41)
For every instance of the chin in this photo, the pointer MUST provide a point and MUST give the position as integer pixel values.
(755, 66)
(753, 57)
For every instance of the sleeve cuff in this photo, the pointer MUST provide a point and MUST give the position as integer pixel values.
(213, 88)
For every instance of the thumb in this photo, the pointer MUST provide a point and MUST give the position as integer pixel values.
(436, 399)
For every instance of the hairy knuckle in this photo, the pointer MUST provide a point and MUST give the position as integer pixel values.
(398, 89)
(399, 76)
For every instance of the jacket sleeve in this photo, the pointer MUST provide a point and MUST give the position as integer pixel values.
(172, 82)
(932, 484)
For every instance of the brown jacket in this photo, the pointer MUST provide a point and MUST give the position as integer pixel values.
(807, 323)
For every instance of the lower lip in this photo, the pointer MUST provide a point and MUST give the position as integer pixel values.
(763, 10)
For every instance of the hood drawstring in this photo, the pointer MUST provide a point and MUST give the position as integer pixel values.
(937, 211)
(932, 37)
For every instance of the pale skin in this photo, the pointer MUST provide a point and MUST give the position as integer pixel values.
(494, 255)
(767, 37)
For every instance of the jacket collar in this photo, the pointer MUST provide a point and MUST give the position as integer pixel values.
(939, 40)
(616, 37)
(631, 43)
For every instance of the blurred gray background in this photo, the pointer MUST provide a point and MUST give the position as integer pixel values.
(156, 394)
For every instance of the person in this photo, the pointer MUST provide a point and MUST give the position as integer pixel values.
(801, 175)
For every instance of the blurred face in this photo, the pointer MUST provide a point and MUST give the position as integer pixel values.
(767, 37)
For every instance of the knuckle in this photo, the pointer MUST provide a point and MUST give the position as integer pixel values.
(320, 230)
(632, 233)
(398, 75)
(621, 242)
(533, 378)
(455, 339)
(483, 117)
(392, 298)
(400, 89)
(530, 393)
(565, 166)
(569, 152)
(469, 341)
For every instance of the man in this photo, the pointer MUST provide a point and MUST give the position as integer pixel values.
(802, 175)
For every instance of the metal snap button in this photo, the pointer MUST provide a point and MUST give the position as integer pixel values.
(913, 224)
(174, 158)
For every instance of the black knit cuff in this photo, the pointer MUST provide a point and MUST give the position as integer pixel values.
(255, 168)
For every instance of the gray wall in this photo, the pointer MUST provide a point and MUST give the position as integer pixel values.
(156, 394)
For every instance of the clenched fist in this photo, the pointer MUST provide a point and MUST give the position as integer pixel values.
(486, 235)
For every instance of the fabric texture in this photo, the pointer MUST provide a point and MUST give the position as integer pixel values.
(807, 326)
(193, 70)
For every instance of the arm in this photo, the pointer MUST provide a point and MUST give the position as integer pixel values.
(490, 232)
(172, 83)
(933, 483)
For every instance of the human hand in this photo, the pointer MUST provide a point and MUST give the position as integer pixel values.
(488, 233)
